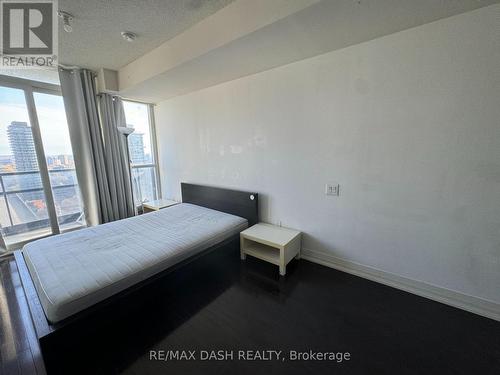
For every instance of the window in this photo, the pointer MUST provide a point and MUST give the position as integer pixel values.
(39, 192)
(59, 158)
(142, 151)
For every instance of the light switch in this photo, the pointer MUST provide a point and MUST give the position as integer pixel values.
(332, 189)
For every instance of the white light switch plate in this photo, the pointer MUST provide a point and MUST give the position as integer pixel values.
(332, 189)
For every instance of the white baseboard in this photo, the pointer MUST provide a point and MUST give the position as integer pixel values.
(453, 298)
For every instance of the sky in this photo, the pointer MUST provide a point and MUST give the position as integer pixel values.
(137, 117)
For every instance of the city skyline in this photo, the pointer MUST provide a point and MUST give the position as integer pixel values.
(51, 117)
(22, 156)
(29, 205)
(23, 193)
(22, 152)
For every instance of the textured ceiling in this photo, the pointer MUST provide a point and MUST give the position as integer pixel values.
(96, 41)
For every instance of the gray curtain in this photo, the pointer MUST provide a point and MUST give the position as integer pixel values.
(97, 183)
(117, 163)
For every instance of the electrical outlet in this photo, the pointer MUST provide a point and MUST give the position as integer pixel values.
(332, 189)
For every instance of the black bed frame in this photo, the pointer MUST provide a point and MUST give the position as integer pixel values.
(240, 203)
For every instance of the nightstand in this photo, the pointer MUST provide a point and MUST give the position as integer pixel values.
(157, 205)
(276, 245)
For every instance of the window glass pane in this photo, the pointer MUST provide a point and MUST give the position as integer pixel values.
(139, 142)
(20, 180)
(28, 208)
(59, 156)
(144, 184)
(141, 151)
(23, 210)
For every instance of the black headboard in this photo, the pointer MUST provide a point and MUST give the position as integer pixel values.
(239, 203)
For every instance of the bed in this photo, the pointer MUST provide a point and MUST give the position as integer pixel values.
(70, 276)
(76, 270)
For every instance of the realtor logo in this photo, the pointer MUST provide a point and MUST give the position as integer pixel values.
(29, 34)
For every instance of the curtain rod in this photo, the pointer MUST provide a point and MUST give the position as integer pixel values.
(68, 67)
(72, 68)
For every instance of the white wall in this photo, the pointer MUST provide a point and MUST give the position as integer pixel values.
(408, 124)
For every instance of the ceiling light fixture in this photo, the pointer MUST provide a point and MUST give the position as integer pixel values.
(67, 18)
(128, 36)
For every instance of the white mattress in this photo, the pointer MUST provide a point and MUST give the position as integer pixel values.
(76, 270)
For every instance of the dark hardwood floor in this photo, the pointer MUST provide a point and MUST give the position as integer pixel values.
(19, 350)
(220, 303)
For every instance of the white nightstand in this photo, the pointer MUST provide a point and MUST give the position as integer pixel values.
(276, 245)
(157, 205)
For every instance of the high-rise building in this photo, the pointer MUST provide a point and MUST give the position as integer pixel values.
(22, 146)
(136, 148)
(141, 177)
(24, 153)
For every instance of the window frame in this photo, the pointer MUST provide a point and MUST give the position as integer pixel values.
(30, 87)
(154, 150)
